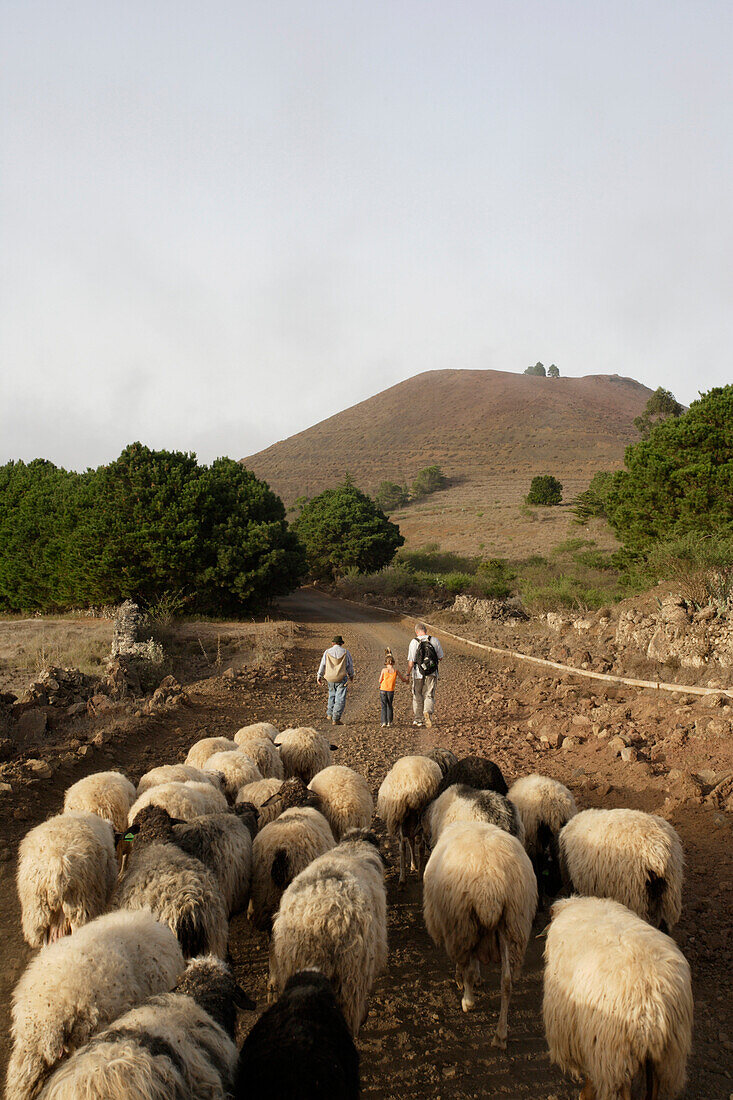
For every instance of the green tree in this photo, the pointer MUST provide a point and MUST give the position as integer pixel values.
(553, 371)
(536, 369)
(661, 406)
(592, 502)
(390, 496)
(680, 479)
(545, 489)
(150, 523)
(428, 480)
(343, 529)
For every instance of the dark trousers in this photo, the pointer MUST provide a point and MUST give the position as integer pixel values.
(387, 698)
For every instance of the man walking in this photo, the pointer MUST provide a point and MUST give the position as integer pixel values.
(336, 668)
(423, 657)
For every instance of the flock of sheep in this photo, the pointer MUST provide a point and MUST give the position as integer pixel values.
(128, 894)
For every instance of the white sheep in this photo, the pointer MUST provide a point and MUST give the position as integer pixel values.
(177, 773)
(258, 793)
(461, 803)
(333, 918)
(201, 750)
(223, 843)
(280, 851)
(545, 806)
(304, 752)
(178, 1044)
(633, 857)
(235, 767)
(75, 987)
(67, 868)
(346, 800)
(405, 792)
(256, 731)
(617, 1000)
(108, 794)
(176, 887)
(265, 756)
(479, 901)
(181, 800)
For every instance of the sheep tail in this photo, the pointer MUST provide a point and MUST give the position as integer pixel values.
(656, 888)
(280, 869)
(652, 1081)
(192, 936)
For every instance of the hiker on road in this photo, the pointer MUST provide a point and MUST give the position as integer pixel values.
(336, 668)
(423, 657)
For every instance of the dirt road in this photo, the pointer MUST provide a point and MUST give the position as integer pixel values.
(417, 1042)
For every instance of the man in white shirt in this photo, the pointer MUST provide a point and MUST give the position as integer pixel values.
(337, 668)
(423, 657)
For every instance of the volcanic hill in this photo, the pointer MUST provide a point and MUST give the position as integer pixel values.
(490, 431)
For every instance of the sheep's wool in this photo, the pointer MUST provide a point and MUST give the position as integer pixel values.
(541, 801)
(612, 853)
(617, 992)
(345, 798)
(108, 794)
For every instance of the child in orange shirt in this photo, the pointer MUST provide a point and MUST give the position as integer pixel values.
(387, 681)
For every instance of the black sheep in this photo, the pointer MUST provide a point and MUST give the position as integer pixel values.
(476, 772)
(300, 1047)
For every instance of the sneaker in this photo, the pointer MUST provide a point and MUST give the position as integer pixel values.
(384, 725)
(416, 723)
(337, 721)
(428, 721)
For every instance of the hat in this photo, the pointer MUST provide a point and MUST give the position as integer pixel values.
(338, 640)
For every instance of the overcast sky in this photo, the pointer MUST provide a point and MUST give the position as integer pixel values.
(223, 222)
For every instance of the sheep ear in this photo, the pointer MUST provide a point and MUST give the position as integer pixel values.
(130, 834)
(242, 1001)
(334, 748)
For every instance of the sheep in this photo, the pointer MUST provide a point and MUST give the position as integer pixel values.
(461, 803)
(258, 794)
(173, 885)
(236, 769)
(300, 1047)
(201, 750)
(181, 800)
(346, 801)
(279, 852)
(75, 987)
(545, 806)
(407, 788)
(617, 1001)
(444, 758)
(66, 872)
(265, 756)
(630, 856)
(479, 901)
(304, 752)
(178, 1044)
(223, 843)
(477, 772)
(255, 732)
(333, 917)
(108, 794)
(177, 773)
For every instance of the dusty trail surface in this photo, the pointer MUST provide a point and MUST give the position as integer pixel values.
(417, 1042)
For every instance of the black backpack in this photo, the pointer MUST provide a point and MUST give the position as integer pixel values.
(426, 658)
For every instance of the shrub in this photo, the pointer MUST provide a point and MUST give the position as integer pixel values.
(428, 480)
(343, 529)
(701, 566)
(390, 496)
(537, 369)
(545, 489)
(592, 502)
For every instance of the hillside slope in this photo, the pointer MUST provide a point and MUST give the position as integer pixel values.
(491, 431)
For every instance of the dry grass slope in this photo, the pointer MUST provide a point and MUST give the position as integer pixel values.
(491, 431)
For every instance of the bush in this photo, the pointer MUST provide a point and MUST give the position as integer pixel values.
(149, 524)
(342, 529)
(545, 489)
(537, 369)
(679, 481)
(429, 480)
(390, 496)
(700, 565)
(592, 502)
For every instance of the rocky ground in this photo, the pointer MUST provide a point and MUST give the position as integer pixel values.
(612, 746)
